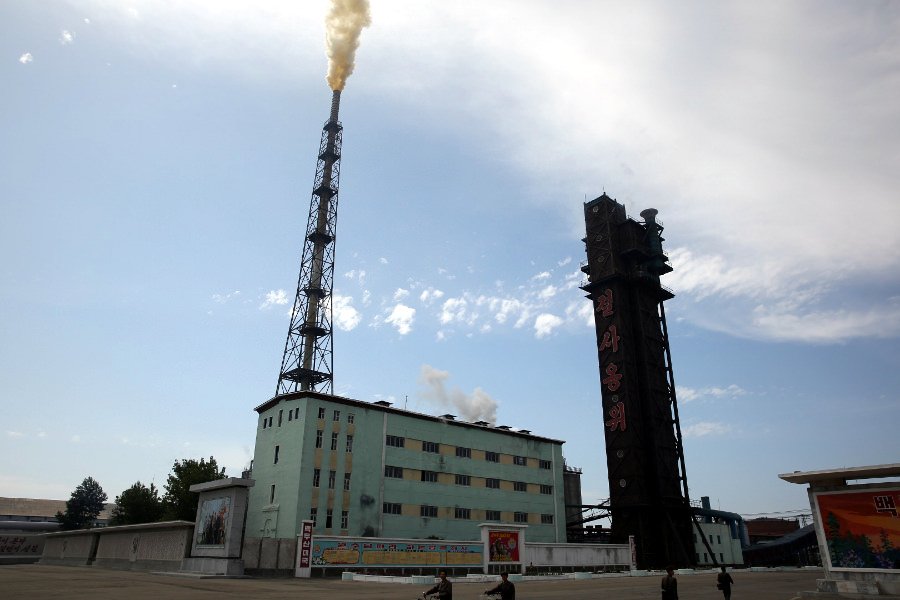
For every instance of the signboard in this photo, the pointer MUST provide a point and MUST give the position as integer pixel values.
(304, 550)
(504, 546)
(349, 552)
(861, 529)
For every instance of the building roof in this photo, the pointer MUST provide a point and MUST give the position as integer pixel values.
(39, 507)
(841, 476)
(384, 406)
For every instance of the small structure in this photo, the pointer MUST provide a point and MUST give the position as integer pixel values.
(858, 530)
(219, 528)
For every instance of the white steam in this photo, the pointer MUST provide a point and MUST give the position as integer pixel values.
(477, 406)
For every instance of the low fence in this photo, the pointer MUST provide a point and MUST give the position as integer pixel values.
(539, 557)
(148, 547)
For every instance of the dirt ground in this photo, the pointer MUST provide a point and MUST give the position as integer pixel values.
(39, 582)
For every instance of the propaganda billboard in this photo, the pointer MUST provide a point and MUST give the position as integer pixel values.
(861, 529)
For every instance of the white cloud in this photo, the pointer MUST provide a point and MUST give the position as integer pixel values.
(545, 323)
(564, 261)
(366, 297)
(346, 317)
(548, 292)
(26, 58)
(453, 309)
(401, 317)
(400, 294)
(274, 298)
(356, 275)
(66, 37)
(704, 428)
(430, 295)
(542, 275)
(223, 298)
(688, 394)
(383, 260)
(75, 439)
(15, 434)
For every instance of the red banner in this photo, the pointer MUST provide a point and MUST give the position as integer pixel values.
(504, 546)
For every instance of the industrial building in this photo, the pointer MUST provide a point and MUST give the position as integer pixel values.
(371, 470)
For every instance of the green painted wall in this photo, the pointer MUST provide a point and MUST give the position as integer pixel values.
(370, 489)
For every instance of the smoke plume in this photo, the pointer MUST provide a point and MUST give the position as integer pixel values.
(477, 406)
(343, 25)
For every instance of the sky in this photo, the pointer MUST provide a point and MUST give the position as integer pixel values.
(156, 168)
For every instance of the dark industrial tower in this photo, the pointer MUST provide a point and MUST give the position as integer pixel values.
(645, 462)
(307, 361)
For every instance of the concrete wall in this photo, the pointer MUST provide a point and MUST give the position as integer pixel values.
(575, 556)
(148, 547)
(18, 549)
(272, 556)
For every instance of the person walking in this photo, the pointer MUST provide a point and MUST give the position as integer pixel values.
(724, 583)
(669, 585)
(443, 589)
(505, 588)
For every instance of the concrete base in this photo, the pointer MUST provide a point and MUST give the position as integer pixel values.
(859, 589)
(220, 567)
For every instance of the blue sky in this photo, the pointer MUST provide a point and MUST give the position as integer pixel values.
(155, 175)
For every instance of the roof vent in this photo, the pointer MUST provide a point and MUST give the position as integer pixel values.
(504, 427)
(449, 417)
(382, 403)
(482, 423)
(524, 431)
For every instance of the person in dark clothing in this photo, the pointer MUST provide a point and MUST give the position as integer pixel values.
(443, 589)
(669, 585)
(724, 583)
(505, 588)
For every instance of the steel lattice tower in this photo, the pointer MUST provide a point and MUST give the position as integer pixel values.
(307, 361)
(644, 456)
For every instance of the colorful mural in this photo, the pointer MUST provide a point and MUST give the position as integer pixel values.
(213, 521)
(344, 553)
(862, 529)
(504, 546)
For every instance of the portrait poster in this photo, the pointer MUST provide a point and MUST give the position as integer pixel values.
(861, 529)
(212, 524)
(504, 546)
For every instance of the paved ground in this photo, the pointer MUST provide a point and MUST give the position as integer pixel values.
(39, 582)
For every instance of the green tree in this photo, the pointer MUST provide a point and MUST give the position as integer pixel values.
(137, 504)
(180, 503)
(84, 505)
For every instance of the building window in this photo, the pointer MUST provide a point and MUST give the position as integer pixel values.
(290, 415)
(345, 518)
(429, 476)
(265, 422)
(546, 489)
(492, 456)
(321, 412)
(329, 518)
(520, 486)
(463, 452)
(331, 477)
(346, 482)
(492, 515)
(349, 446)
(463, 480)
(545, 464)
(520, 517)
(280, 415)
(390, 471)
(721, 557)
(297, 413)
(272, 494)
(334, 438)
(270, 421)
(520, 460)
(395, 440)
(494, 484)
(391, 508)
(350, 418)
(316, 475)
(313, 513)
(276, 454)
(430, 447)
(319, 434)
(427, 511)
(462, 513)
(547, 519)
(336, 416)
(719, 537)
